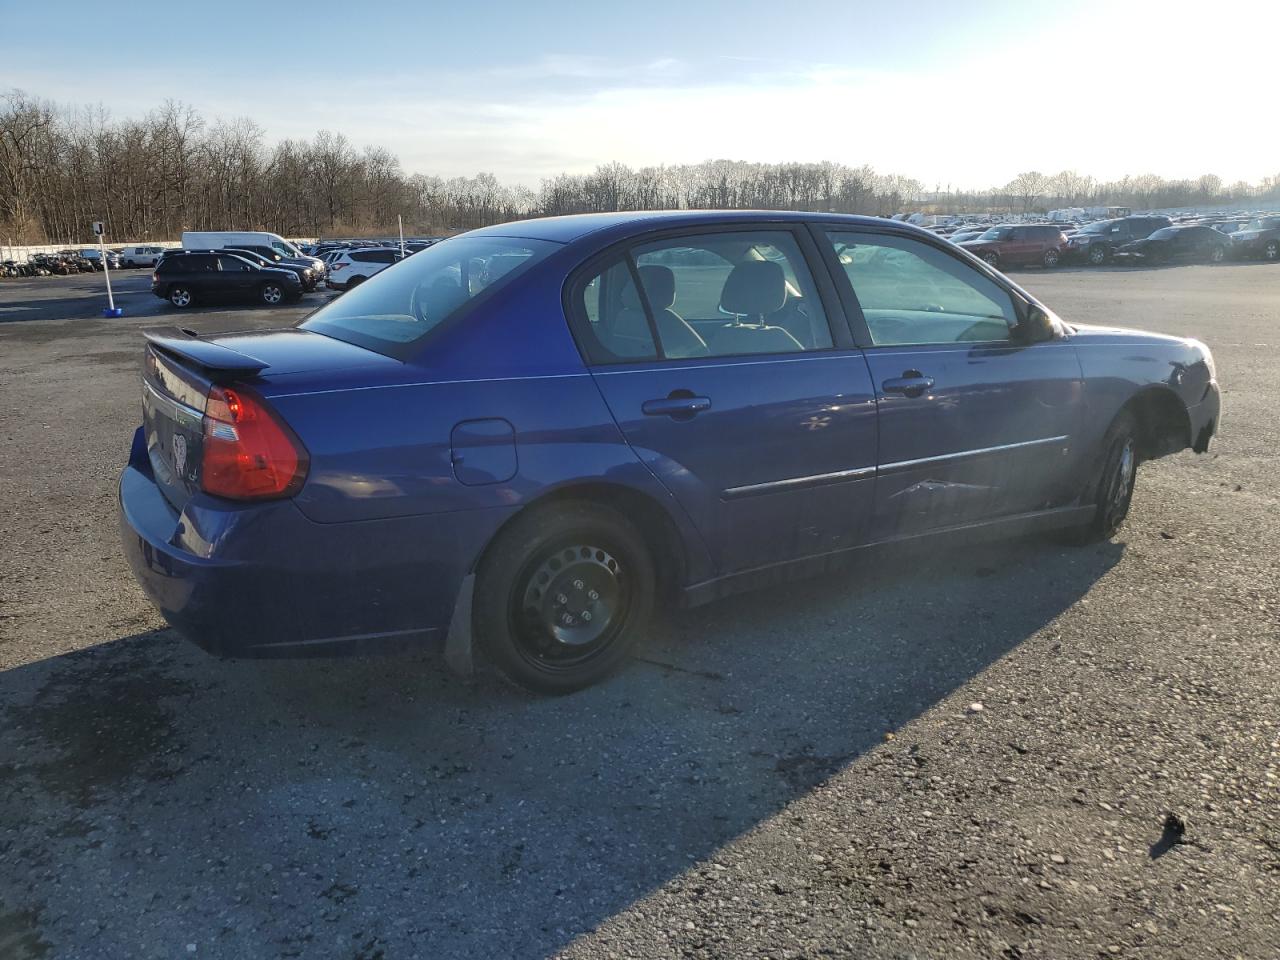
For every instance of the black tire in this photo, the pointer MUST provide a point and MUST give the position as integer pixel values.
(180, 296)
(272, 294)
(1098, 255)
(562, 597)
(1110, 489)
(1271, 250)
(1051, 258)
(354, 282)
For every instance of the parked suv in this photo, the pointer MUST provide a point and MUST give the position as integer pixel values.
(353, 267)
(94, 256)
(1010, 245)
(1258, 238)
(314, 264)
(185, 278)
(1097, 242)
(1196, 243)
(305, 274)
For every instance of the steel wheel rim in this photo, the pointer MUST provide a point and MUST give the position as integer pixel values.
(1120, 486)
(271, 294)
(569, 605)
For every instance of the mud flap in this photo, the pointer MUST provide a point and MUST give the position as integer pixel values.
(458, 655)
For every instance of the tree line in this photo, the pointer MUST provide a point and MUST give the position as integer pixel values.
(173, 170)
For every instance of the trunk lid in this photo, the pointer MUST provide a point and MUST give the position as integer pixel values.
(180, 367)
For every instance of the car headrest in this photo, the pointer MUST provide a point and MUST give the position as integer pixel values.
(754, 288)
(659, 286)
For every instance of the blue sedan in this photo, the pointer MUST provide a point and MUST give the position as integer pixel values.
(524, 436)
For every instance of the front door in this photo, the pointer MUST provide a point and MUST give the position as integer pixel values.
(716, 357)
(238, 278)
(973, 425)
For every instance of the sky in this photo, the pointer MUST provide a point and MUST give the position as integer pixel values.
(954, 94)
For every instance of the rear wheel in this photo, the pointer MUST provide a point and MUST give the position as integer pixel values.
(992, 260)
(562, 597)
(271, 293)
(180, 296)
(1218, 254)
(1111, 486)
(1051, 257)
(354, 282)
(1097, 256)
(1271, 251)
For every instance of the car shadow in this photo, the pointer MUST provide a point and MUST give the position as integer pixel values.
(269, 807)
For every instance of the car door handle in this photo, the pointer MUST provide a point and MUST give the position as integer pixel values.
(912, 383)
(680, 406)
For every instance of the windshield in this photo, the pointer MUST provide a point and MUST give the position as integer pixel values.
(406, 301)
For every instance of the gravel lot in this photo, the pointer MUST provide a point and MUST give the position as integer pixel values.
(800, 772)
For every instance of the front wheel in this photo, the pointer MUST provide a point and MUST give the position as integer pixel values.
(1217, 254)
(1097, 256)
(562, 597)
(992, 260)
(1111, 487)
(1271, 251)
(271, 293)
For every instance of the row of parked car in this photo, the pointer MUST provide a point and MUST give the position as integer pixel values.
(264, 268)
(1147, 238)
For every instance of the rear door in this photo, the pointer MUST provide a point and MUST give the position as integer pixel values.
(1020, 247)
(200, 270)
(973, 425)
(716, 354)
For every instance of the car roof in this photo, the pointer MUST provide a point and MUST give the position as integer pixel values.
(572, 227)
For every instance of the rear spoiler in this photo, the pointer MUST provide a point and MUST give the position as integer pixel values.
(204, 353)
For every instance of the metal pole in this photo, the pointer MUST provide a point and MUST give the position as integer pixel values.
(400, 222)
(106, 272)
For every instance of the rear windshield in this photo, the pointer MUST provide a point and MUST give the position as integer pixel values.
(403, 303)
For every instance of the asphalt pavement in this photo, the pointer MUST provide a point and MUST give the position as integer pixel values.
(971, 753)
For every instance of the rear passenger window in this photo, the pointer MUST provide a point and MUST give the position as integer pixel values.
(912, 293)
(710, 295)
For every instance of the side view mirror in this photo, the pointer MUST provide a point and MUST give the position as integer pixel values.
(1037, 326)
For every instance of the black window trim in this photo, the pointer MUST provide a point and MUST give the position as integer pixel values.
(853, 308)
(842, 338)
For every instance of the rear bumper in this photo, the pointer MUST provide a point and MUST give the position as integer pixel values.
(265, 581)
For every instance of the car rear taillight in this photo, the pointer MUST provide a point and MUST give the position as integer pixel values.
(249, 453)
(337, 266)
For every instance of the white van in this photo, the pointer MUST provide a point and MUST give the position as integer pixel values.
(222, 239)
(143, 256)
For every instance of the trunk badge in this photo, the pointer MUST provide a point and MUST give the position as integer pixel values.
(179, 453)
